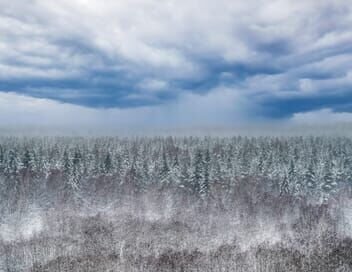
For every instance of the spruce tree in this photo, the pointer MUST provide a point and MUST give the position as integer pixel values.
(310, 178)
(329, 184)
(108, 165)
(196, 178)
(204, 187)
(284, 186)
(185, 183)
(165, 170)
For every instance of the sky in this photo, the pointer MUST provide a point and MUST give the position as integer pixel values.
(175, 63)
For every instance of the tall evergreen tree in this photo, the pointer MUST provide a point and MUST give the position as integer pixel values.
(310, 177)
(27, 160)
(108, 165)
(285, 186)
(204, 186)
(165, 170)
(197, 174)
(329, 184)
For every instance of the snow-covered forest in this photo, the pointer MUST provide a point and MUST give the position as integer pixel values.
(314, 166)
(176, 204)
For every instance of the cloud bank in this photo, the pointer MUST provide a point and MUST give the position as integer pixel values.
(217, 107)
(323, 116)
(167, 62)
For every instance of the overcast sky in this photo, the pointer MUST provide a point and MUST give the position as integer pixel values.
(175, 63)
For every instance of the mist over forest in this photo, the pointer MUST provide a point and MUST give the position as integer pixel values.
(256, 129)
(176, 203)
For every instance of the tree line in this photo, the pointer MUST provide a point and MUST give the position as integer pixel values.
(300, 166)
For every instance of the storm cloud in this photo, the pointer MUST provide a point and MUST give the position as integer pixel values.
(214, 62)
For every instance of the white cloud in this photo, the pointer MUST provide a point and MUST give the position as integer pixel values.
(323, 116)
(153, 85)
(164, 35)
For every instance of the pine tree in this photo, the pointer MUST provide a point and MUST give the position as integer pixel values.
(260, 164)
(66, 164)
(293, 180)
(13, 165)
(196, 178)
(347, 169)
(285, 186)
(185, 183)
(329, 184)
(217, 173)
(108, 165)
(133, 179)
(2, 158)
(204, 186)
(67, 174)
(145, 172)
(175, 171)
(13, 185)
(176, 163)
(244, 163)
(310, 178)
(337, 173)
(165, 170)
(269, 166)
(76, 168)
(27, 160)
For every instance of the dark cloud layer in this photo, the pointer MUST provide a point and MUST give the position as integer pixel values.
(274, 59)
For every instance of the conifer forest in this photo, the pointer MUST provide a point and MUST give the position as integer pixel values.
(231, 203)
